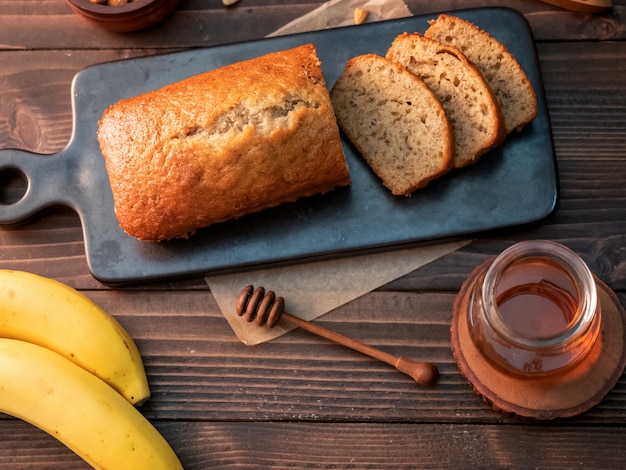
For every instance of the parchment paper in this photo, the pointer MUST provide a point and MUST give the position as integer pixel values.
(313, 289)
(341, 13)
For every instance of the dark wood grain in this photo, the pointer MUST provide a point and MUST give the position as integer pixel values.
(300, 401)
(257, 445)
(198, 23)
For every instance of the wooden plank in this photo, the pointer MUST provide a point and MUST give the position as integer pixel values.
(198, 370)
(197, 23)
(197, 367)
(36, 112)
(204, 446)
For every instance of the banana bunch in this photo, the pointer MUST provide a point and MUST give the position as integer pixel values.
(69, 368)
(48, 313)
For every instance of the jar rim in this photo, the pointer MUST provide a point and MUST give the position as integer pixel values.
(572, 265)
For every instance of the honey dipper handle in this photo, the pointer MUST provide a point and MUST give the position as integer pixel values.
(422, 372)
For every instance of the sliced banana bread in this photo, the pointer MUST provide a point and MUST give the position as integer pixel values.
(395, 122)
(505, 76)
(471, 107)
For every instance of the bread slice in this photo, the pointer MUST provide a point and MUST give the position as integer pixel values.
(505, 76)
(395, 121)
(467, 99)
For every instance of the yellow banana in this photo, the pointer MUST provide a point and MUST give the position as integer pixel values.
(80, 410)
(53, 315)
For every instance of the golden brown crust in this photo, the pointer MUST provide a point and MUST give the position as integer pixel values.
(222, 144)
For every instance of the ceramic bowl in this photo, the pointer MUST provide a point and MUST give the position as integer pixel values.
(133, 16)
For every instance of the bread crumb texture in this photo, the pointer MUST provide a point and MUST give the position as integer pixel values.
(395, 122)
(470, 105)
(507, 79)
(435, 101)
(222, 144)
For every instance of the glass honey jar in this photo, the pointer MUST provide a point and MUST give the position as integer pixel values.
(534, 311)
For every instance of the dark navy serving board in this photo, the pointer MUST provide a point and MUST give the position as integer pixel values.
(513, 184)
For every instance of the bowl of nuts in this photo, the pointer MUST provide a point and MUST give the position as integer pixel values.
(124, 15)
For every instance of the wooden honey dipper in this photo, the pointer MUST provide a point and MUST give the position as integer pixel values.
(267, 309)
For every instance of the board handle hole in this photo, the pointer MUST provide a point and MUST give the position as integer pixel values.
(13, 186)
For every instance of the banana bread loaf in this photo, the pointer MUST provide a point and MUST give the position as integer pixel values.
(222, 144)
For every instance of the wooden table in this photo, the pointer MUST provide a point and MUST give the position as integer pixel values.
(298, 401)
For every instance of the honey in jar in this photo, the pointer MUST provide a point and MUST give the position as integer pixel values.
(534, 311)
